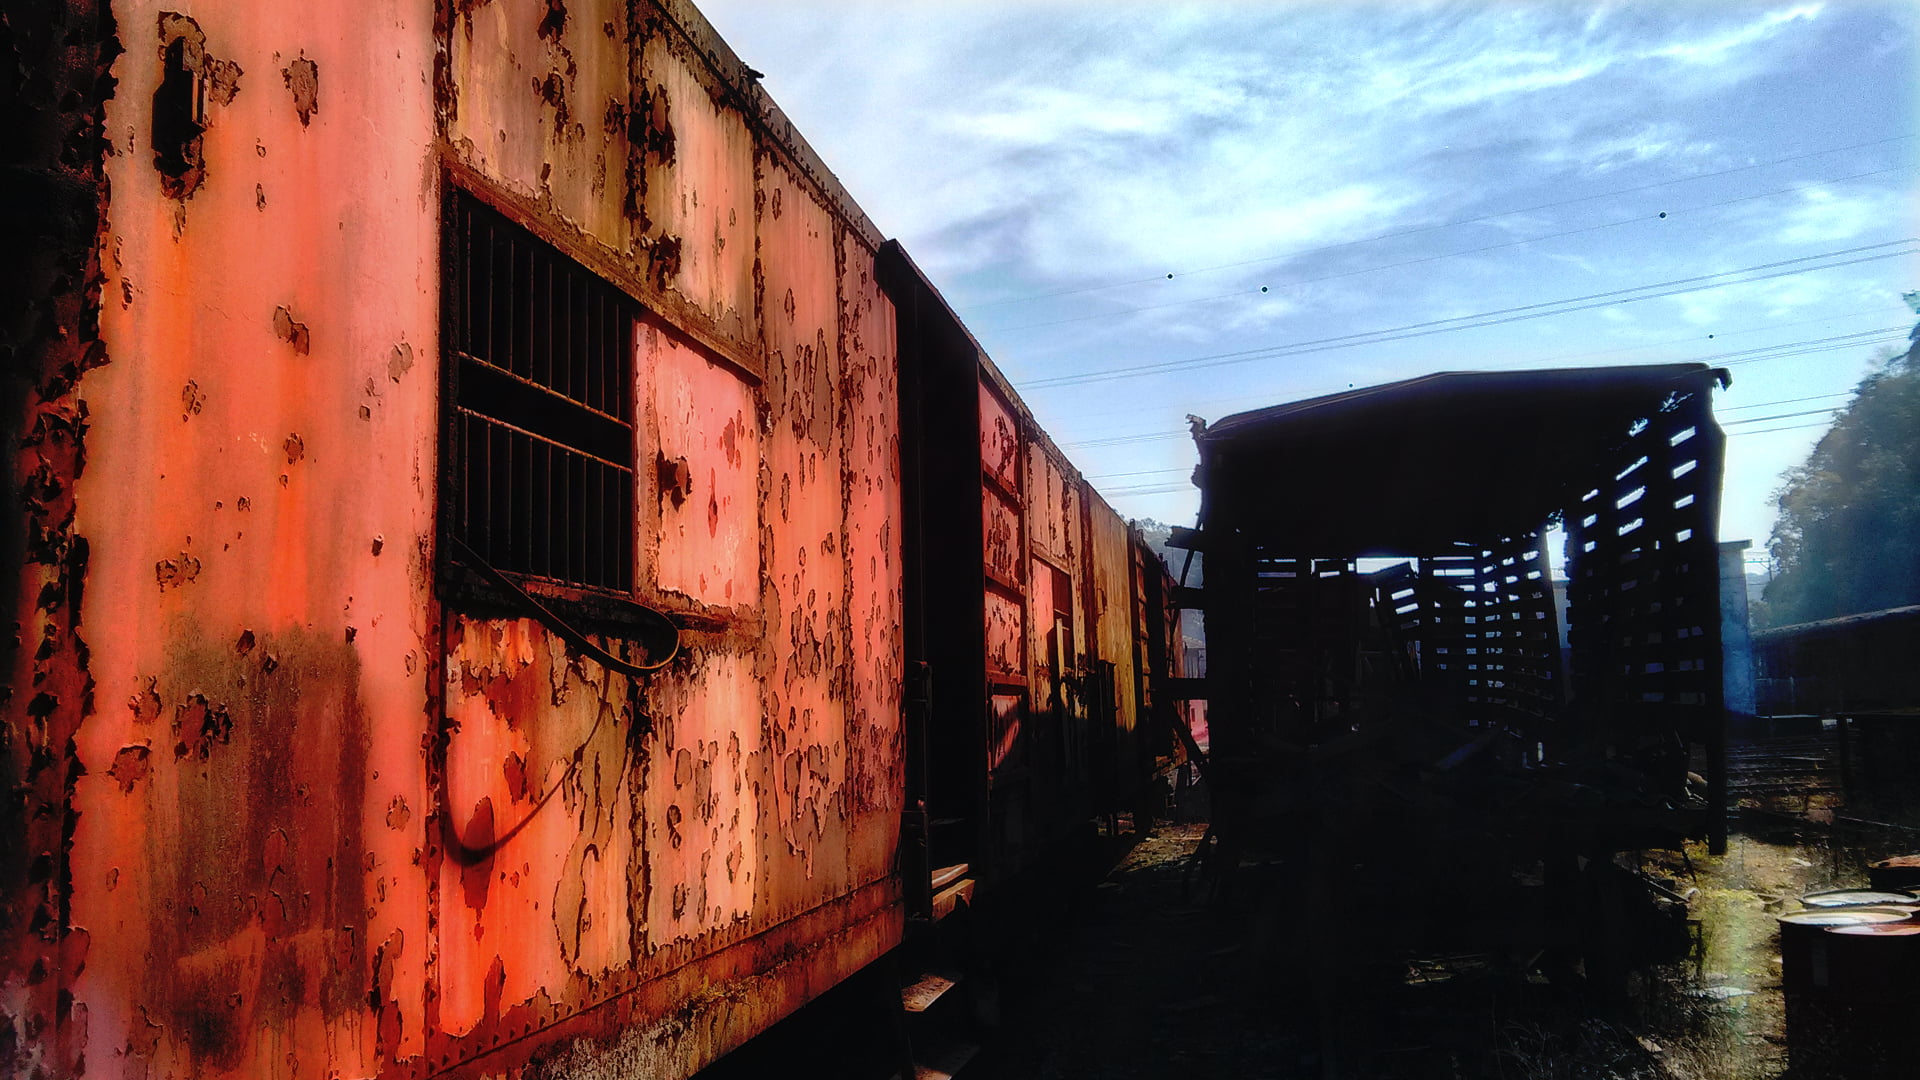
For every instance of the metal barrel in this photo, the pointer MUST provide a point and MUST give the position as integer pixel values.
(1836, 1022)
(1832, 898)
(1875, 962)
(1805, 962)
(1898, 873)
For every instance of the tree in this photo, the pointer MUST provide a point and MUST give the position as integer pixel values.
(1848, 536)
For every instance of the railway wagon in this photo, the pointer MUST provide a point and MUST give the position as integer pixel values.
(1041, 622)
(1852, 665)
(466, 577)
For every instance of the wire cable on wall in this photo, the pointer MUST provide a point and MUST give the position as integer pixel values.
(467, 854)
(580, 642)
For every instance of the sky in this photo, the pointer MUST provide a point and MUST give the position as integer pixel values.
(1263, 202)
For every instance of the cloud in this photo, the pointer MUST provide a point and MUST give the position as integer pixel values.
(1031, 149)
(1719, 48)
(1824, 216)
(1761, 301)
(1606, 150)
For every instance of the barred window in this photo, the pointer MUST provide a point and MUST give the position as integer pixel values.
(540, 425)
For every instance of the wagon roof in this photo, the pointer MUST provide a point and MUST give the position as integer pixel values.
(1561, 391)
(1448, 457)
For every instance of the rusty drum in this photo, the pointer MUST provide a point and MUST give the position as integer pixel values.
(1902, 872)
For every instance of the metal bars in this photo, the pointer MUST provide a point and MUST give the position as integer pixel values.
(541, 365)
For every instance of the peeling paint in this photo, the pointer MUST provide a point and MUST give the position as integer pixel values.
(399, 361)
(130, 766)
(302, 77)
(293, 333)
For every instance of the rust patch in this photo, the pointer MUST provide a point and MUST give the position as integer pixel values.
(173, 573)
(303, 79)
(555, 20)
(191, 400)
(514, 769)
(268, 901)
(650, 129)
(145, 705)
(398, 813)
(553, 91)
(191, 78)
(664, 260)
(291, 332)
(399, 361)
(130, 766)
(380, 993)
(245, 644)
(676, 479)
(296, 448)
(198, 725)
(477, 877)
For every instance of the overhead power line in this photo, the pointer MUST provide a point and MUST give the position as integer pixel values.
(1524, 312)
(1786, 416)
(1637, 219)
(1782, 401)
(1695, 339)
(1434, 228)
(1771, 430)
(1785, 350)
(1143, 472)
(1790, 350)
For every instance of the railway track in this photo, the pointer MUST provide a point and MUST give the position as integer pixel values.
(1794, 774)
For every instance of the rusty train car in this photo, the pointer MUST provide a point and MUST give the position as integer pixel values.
(1858, 665)
(513, 574)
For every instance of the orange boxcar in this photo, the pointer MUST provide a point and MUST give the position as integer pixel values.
(386, 292)
(463, 556)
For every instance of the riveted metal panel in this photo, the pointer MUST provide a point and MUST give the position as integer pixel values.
(701, 536)
(540, 104)
(806, 682)
(876, 653)
(696, 216)
(328, 817)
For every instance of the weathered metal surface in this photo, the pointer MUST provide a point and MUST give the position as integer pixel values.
(259, 634)
(703, 418)
(696, 219)
(999, 438)
(1006, 636)
(1000, 536)
(1855, 665)
(1900, 872)
(327, 824)
(1053, 503)
(805, 684)
(872, 564)
(50, 306)
(539, 101)
(1116, 621)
